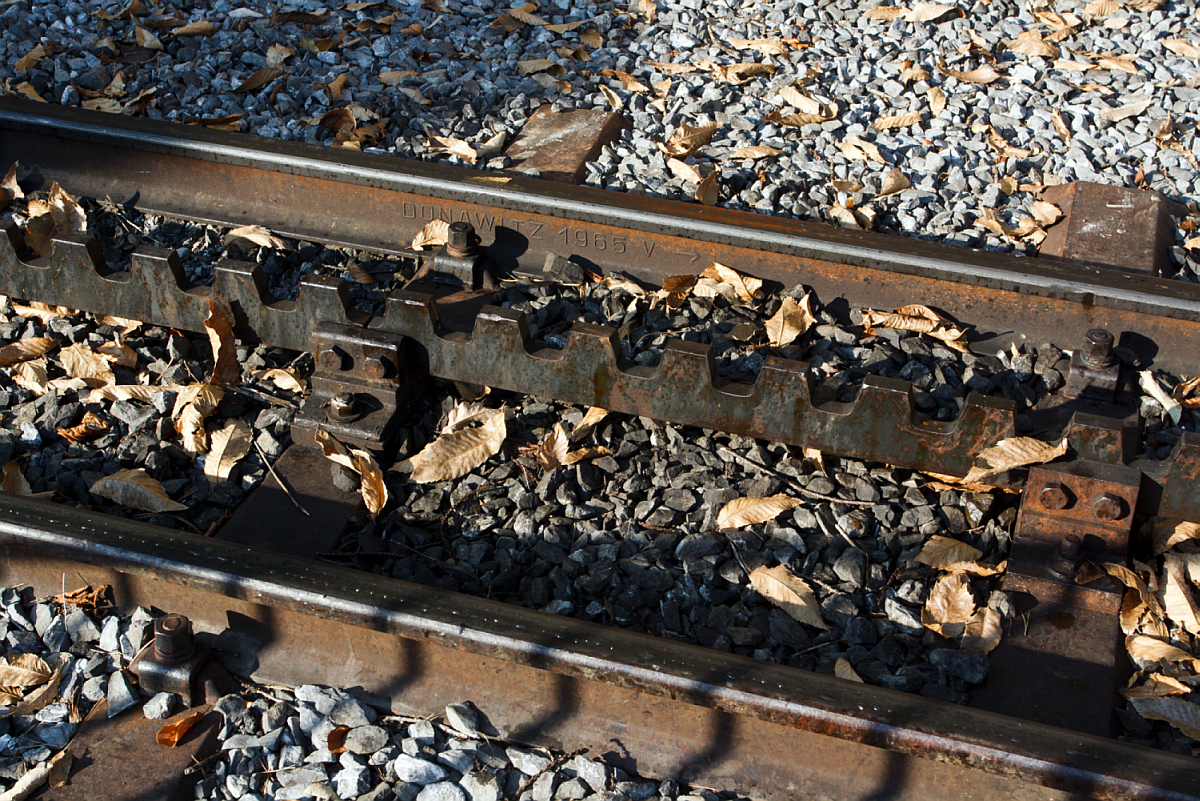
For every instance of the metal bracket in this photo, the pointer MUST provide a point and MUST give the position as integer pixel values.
(173, 662)
(461, 262)
(360, 385)
(1095, 369)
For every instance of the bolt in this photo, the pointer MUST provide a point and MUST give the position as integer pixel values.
(1065, 561)
(173, 638)
(377, 366)
(342, 406)
(332, 359)
(1097, 349)
(461, 242)
(1109, 507)
(1054, 496)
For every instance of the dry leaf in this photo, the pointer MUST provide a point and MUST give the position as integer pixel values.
(749, 511)
(686, 139)
(172, 734)
(454, 455)
(793, 319)
(552, 452)
(941, 551)
(843, 670)
(708, 191)
(671, 69)
(259, 79)
(897, 121)
(797, 120)
(983, 632)
(919, 318)
(219, 325)
(1031, 43)
(228, 446)
(1177, 596)
(455, 147)
(790, 593)
(277, 54)
(534, 65)
(80, 361)
(755, 152)
(147, 39)
(1183, 715)
(200, 28)
(937, 100)
(1126, 111)
(372, 486)
(1102, 8)
(1157, 685)
(89, 428)
(928, 12)
(950, 606)
(1008, 454)
(124, 392)
(857, 149)
(9, 185)
(30, 60)
(747, 287)
(284, 379)
(59, 768)
(592, 418)
(254, 236)
(1169, 533)
(984, 75)
(522, 15)
(1182, 47)
(137, 490)
(684, 171)
(13, 481)
(435, 234)
(885, 13)
(614, 100)
(192, 405)
(893, 183)
(768, 47)
(24, 670)
(118, 354)
(1045, 213)
(628, 81)
(1170, 406)
(39, 698)
(586, 455)
(24, 349)
(738, 74)
(68, 215)
(1151, 650)
(1060, 125)
(32, 376)
(976, 568)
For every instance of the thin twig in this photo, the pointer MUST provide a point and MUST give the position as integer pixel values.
(825, 528)
(554, 765)
(282, 483)
(788, 480)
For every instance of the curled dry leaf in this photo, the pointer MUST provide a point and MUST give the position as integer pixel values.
(755, 152)
(373, 487)
(219, 325)
(983, 632)
(89, 428)
(192, 405)
(80, 361)
(939, 552)
(1031, 43)
(114, 392)
(885, 13)
(897, 121)
(1172, 407)
(708, 191)
(1182, 714)
(9, 185)
(928, 12)
(768, 47)
(454, 455)
(25, 349)
(984, 75)
(684, 171)
(844, 670)
(1182, 47)
(746, 287)
(687, 139)
(1149, 650)
(1177, 596)
(552, 451)
(455, 147)
(435, 234)
(591, 418)
(59, 767)
(937, 100)
(118, 354)
(229, 446)
(1157, 685)
(629, 82)
(921, 319)
(982, 569)
(614, 100)
(856, 148)
(200, 28)
(950, 606)
(137, 490)
(790, 593)
(146, 39)
(794, 318)
(750, 511)
(249, 236)
(13, 482)
(259, 79)
(283, 378)
(30, 60)
(173, 733)
(586, 455)
(1169, 533)
(893, 183)
(24, 670)
(1124, 112)
(1011, 453)
(534, 65)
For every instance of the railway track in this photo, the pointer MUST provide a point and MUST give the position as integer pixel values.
(672, 709)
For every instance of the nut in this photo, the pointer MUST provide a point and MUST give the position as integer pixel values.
(1097, 349)
(1054, 496)
(173, 638)
(342, 406)
(1109, 507)
(377, 366)
(461, 240)
(332, 359)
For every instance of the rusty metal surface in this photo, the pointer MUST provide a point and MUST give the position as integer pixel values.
(741, 695)
(1116, 226)
(380, 202)
(118, 759)
(559, 145)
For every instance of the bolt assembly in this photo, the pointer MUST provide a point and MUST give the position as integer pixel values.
(173, 640)
(1109, 507)
(1066, 558)
(377, 367)
(332, 359)
(1054, 497)
(1097, 349)
(342, 406)
(462, 243)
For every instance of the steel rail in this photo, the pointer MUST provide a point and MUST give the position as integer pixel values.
(378, 202)
(679, 677)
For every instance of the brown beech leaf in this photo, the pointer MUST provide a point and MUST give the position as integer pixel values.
(984, 75)
(455, 147)
(856, 148)
(1157, 685)
(435, 234)
(976, 568)
(373, 487)
(748, 511)
(897, 121)
(708, 191)
(32, 376)
(30, 60)
(928, 12)
(790, 593)
(192, 405)
(1169, 533)
(1177, 596)
(746, 287)
(793, 319)
(684, 171)
(1124, 112)
(219, 324)
(227, 447)
(1182, 714)
(59, 768)
(796, 120)
(983, 631)
(921, 319)
(686, 139)
(464, 414)
(586, 455)
(89, 428)
(667, 68)
(1031, 43)
(1181, 47)
(453, 455)
(552, 451)
(941, 551)
(768, 47)
(1008, 454)
(950, 606)
(113, 392)
(147, 39)
(591, 418)
(24, 670)
(80, 361)
(283, 378)
(137, 490)
(755, 152)
(627, 81)
(13, 482)
(254, 236)
(200, 28)
(844, 670)
(9, 185)
(614, 100)
(39, 698)
(173, 733)
(25, 349)
(937, 100)
(893, 183)
(68, 215)
(591, 38)
(259, 79)
(885, 13)
(118, 354)
(1150, 650)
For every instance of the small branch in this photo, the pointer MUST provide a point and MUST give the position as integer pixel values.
(788, 480)
(554, 765)
(291, 496)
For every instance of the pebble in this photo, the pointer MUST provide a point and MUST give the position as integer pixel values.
(160, 706)
(121, 694)
(366, 739)
(416, 771)
(442, 791)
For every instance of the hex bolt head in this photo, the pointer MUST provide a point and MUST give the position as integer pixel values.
(1097, 348)
(377, 366)
(1053, 496)
(1070, 547)
(332, 359)
(342, 406)
(173, 638)
(461, 241)
(1109, 507)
